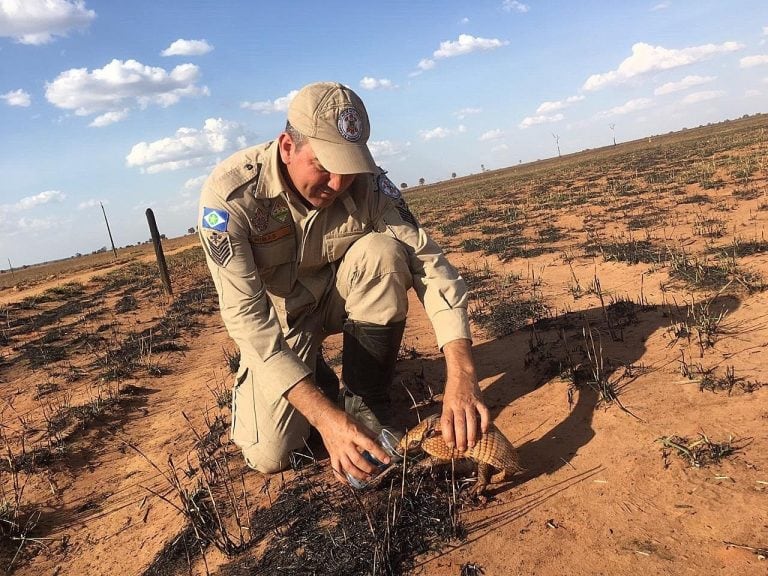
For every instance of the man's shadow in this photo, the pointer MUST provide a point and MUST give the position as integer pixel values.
(556, 350)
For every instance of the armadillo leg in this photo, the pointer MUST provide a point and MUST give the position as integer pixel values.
(484, 471)
(501, 476)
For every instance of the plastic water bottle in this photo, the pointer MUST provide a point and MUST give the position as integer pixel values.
(388, 440)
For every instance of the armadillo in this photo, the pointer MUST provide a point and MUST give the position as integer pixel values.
(494, 455)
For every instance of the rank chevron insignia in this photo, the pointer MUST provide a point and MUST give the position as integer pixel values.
(218, 246)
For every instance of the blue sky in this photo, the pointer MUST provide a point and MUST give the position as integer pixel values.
(132, 103)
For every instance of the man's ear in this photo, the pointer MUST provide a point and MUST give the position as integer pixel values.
(286, 146)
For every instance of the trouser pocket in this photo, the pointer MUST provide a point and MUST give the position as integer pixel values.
(243, 431)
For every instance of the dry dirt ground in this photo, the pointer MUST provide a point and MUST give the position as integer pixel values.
(620, 306)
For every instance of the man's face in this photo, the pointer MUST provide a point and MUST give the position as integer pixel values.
(317, 186)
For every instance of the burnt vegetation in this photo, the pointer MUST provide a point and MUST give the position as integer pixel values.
(647, 208)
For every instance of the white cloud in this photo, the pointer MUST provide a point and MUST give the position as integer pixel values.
(182, 47)
(91, 203)
(194, 184)
(464, 112)
(684, 84)
(29, 202)
(541, 119)
(646, 58)
(464, 20)
(549, 107)
(660, 6)
(188, 147)
(192, 187)
(369, 83)
(271, 106)
(39, 21)
(109, 118)
(120, 85)
(387, 149)
(703, 96)
(37, 224)
(750, 61)
(500, 148)
(39, 199)
(426, 64)
(515, 6)
(628, 107)
(466, 44)
(188, 206)
(752, 93)
(17, 98)
(434, 133)
(491, 135)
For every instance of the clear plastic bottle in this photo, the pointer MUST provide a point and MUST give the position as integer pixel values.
(388, 440)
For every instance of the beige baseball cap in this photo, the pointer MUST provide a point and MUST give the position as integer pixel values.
(334, 120)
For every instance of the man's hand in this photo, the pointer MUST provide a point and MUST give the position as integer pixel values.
(344, 438)
(465, 415)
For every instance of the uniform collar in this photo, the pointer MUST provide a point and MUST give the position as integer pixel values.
(270, 183)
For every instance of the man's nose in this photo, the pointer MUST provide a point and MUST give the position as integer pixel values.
(339, 181)
(335, 181)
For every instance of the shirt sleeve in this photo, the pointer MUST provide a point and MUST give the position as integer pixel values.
(245, 307)
(439, 286)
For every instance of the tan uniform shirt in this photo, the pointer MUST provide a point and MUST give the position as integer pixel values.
(272, 259)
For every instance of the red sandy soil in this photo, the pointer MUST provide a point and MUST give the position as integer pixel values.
(600, 495)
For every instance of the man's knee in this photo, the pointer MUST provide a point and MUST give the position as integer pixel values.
(265, 431)
(270, 458)
(379, 255)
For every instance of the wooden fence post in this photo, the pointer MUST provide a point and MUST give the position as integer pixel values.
(159, 252)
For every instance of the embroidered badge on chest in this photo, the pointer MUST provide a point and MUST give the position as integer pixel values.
(350, 124)
(388, 188)
(280, 213)
(260, 219)
(218, 246)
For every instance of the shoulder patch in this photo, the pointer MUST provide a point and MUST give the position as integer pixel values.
(218, 245)
(387, 187)
(390, 190)
(406, 214)
(215, 219)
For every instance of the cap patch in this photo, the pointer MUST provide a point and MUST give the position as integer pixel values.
(218, 245)
(350, 125)
(214, 219)
(388, 188)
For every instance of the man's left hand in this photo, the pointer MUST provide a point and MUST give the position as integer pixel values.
(465, 416)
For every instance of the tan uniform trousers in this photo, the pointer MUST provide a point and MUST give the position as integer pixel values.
(372, 281)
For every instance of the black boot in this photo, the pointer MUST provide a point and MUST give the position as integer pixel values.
(368, 359)
(326, 378)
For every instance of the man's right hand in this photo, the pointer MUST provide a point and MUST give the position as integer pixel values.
(344, 438)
